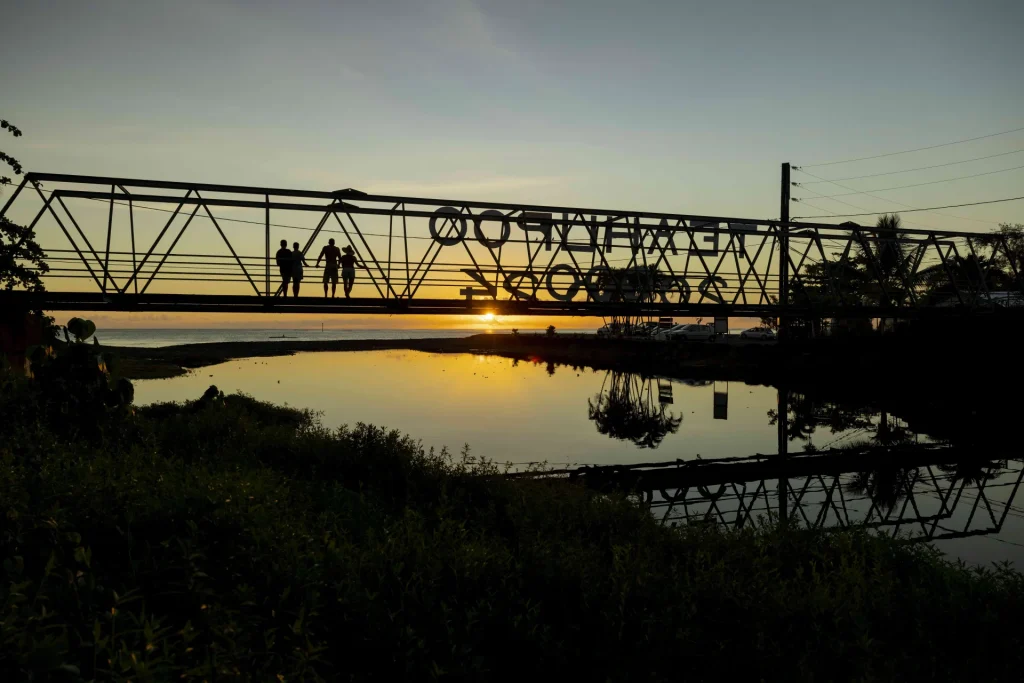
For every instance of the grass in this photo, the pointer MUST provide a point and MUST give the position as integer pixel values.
(230, 539)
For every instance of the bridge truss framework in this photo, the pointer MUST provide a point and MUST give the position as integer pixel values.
(108, 251)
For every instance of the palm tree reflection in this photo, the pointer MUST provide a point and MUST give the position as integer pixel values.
(887, 486)
(627, 408)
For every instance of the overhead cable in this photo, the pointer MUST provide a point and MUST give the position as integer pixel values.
(950, 206)
(916, 149)
(909, 170)
(930, 182)
(884, 199)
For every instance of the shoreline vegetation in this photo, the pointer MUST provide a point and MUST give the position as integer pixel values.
(229, 538)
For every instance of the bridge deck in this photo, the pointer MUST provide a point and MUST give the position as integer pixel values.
(225, 303)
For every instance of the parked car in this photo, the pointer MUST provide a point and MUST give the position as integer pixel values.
(691, 332)
(762, 333)
(665, 333)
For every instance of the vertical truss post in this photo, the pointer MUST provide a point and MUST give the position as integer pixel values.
(405, 239)
(266, 198)
(391, 227)
(783, 432)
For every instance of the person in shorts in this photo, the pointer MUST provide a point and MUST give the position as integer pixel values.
(284, 263)
(348, 270)
(333, 256)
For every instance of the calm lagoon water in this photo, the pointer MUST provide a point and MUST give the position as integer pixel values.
(532, 412)
(505, 411)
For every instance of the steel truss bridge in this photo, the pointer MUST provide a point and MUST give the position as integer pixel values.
(143, 245)
(928, 494)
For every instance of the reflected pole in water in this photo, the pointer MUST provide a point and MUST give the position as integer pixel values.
(783, 430)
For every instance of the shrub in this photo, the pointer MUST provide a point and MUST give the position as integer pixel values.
(232, 539)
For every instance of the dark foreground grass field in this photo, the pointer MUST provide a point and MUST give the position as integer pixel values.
(229, 539)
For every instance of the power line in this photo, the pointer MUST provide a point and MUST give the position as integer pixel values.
(951, 206)
(886, 199)
(854, 206)
(909, 170)
(813, 206)
(916, 149)
(930, 182)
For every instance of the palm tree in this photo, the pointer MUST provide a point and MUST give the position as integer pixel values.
(883, 260)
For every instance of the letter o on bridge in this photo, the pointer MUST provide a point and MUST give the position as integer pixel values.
(448, 213)
(573, 289)
(506, 229)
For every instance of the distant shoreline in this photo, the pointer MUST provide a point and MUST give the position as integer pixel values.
(162, 362)
(647, 356)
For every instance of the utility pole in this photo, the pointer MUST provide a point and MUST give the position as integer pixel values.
(783, 392)
(784, 254)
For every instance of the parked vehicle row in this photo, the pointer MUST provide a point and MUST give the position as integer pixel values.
(680, 332)
(648, 329)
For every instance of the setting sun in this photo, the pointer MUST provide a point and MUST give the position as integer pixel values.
(487, 317)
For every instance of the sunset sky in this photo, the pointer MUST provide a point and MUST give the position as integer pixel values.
(685, 107)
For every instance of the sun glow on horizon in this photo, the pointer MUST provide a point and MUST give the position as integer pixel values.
(487, 317)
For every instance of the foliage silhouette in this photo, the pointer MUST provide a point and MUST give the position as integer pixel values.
(627, 408)
(229, 538)
(22, 261)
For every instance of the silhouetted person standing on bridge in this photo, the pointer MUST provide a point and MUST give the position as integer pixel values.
(298, 261)
(348, 270)
(284, 263)
(333, 256)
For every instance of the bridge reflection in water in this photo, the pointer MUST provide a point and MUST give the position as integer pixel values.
(891, 481)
